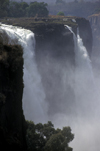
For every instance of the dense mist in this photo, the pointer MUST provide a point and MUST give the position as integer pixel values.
(72, 95)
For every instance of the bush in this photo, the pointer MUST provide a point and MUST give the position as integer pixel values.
(60, 13)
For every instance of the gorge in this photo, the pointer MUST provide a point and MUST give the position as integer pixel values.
(59, 84)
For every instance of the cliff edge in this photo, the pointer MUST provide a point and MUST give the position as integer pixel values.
(44, 27)
(12, 122)
(54, 43)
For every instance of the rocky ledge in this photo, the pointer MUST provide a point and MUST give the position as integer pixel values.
(52, 27)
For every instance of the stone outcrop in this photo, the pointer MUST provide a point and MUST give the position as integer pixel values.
(12, 122)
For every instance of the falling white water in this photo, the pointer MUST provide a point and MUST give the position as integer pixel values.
(85, 123)
(84, 80)
(34, 105)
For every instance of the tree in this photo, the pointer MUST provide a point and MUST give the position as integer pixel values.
(4, 4)
(24, 5)
(39, 9)
(60, 140)
(18, 9)
(60, 13)
(44, 137)
(35, 138)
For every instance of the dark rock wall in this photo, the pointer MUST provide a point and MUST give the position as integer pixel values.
(95, 25)
(12, 123)
(56, 58)
(54, 55)
(85, 32)
(54, 40)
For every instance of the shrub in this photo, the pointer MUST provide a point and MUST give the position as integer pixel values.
(60, 13)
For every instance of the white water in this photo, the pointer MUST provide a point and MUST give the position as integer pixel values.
(84, 79)
(85, 123)
(34, 105)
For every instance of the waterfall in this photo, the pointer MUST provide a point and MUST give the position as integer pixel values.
(34, 105)
(85, 123)
(84, 79)
(58, 77)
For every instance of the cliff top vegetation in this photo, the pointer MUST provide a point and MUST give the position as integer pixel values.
(78, 8)
(22, 9)
(35, 22)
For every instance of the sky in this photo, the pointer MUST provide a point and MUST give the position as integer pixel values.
(50, 1)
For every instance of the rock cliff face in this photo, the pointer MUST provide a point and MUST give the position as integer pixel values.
(85, 33)
(45, 27)
(55, 59)
(54, 55)
(95, 24)
(12, 123)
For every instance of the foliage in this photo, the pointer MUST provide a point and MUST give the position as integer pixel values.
(59, 141)
(79, 8)
(75, 8)
(60, 13)
(38, 9)
(22, 9)
(4, 4)
(44, 137)
(17, 9)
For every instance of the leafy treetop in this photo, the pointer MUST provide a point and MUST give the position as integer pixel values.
(44, 137)
(22, 9)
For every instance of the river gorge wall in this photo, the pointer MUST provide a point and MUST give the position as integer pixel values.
(54, 54)
(12, 122)
(95, 25)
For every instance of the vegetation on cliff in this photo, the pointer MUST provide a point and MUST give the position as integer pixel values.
(4, 4)
(78, 8)
(60, 13)
(22, 9)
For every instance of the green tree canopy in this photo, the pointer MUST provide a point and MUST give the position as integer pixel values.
(18, 9)
(4, 4)
(60, 13)
(44, 137)
(39, 9)
(22, 9)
